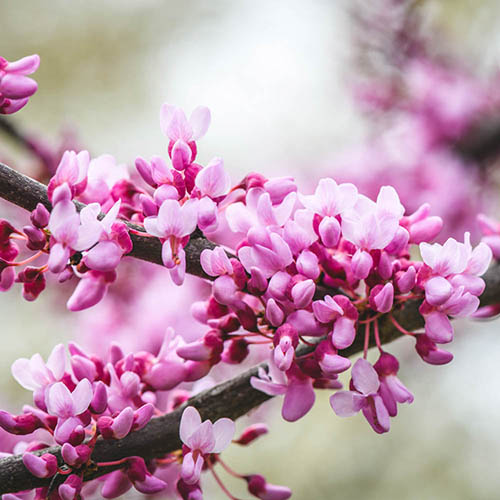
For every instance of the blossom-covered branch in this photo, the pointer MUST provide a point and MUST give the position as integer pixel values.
(233, 399)
(27, 193)
(315, 278)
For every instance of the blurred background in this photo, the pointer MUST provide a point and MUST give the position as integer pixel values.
(297, 88)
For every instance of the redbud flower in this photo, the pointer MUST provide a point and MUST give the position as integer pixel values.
(15, 87)
(202, 439)
(364, 396)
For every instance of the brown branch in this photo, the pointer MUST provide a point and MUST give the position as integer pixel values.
(25, 192)
(233, 398)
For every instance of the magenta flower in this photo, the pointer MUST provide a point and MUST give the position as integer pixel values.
(67, 406)
(173, 223)
(364, 396)
(36, 375)
(72, 170)
(371, 226)
(331, 199)
(213, 181)
(72, 231)
(183, 132)
(269, 252)
(15, 87)
(259, 210)
(201, 439)
(391, 389)
(259, 487)
(167, 368)
(294, 385)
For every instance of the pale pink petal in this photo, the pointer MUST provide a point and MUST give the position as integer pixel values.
(438, 327)
(82, 396)
(110, 218)
(22, 373)
(166, 114)
(346, 403)
(59, 401)
(105, 256)
(224, 432)
(480, 259)
(58, 258)
(437, 291)
(57, 361)
(25, 65)
(190, 421)
(213, 180)
(178, 127)
(343, 332)
(200, 121)
(364, 377)
(267, 387)
(151, 225)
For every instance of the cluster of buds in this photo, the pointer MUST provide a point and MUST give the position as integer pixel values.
(15, 87)
(77, 402)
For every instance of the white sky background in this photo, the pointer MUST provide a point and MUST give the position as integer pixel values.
(274, 75)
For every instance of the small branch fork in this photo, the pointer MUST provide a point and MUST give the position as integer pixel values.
(233, 398)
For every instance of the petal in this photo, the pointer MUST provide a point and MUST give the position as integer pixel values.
(364, 377)
(438, 327)
(343, 332)
(82, 396)
(22, 373)
(190, 421)
(110, 217)
(59, 401)
(299, 399)
(200, 121)
(224, 432)
(166, 114)
(213, 180)
(105, 256)
(57, 361)
(346, 403)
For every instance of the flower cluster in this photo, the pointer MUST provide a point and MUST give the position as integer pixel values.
(76, 401)
(310, 276)
(15, 87)
(294, 266)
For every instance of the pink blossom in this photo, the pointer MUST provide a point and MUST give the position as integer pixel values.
(67, 406)
(183, 132)
(294, 385)
(331, 199)
(201, 439)
(213, 181)
(391, 389)
(363, 396)
(259, 487)
(258, 210)
(173, 223)
(36, 375)
(15, 87)
(72, 171)
(215, 262)
(269, 253)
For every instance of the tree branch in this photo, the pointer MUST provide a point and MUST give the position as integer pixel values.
(233, 398)
(25, 192)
